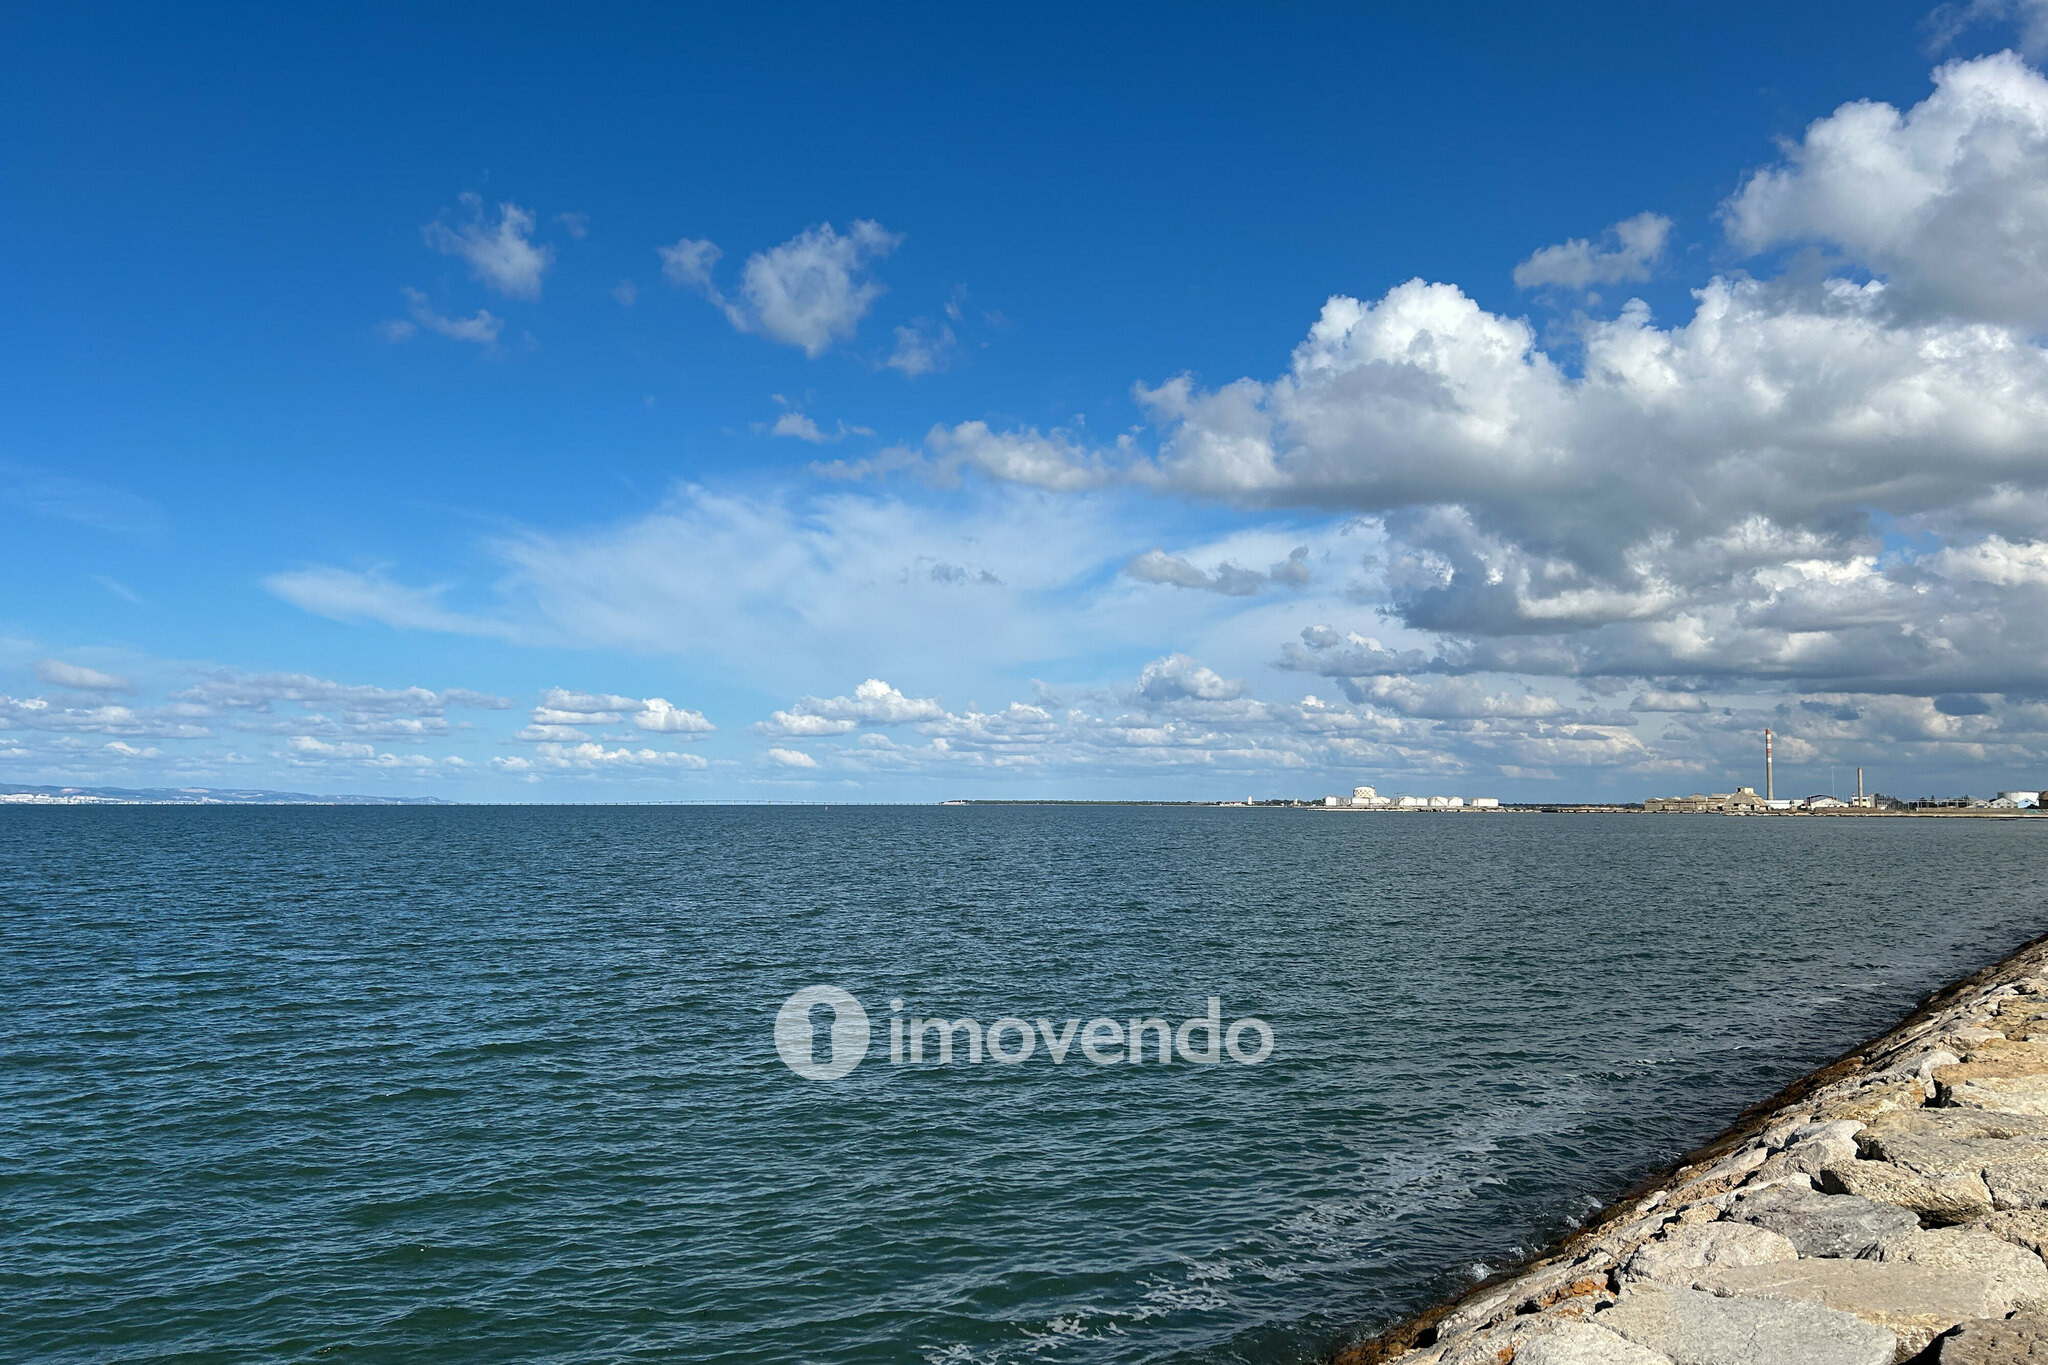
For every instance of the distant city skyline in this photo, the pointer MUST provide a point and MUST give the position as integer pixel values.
(797, 403)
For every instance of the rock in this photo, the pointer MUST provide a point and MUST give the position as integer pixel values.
(1582, 1343)
(1933, 1140)
(1622, 1236)
(1824, 1224)
(1867, 1099)
(1511, 1339)
(1975, 1086)
(2014, 1273)
(1997, 1341)
(2021, 1184)
(2022, 1227)
(1944, 1198)
(1915, 1302)
(1955, 1159)
(1530, 1291)
(1720, 1177)
(1696, 1328)
(1813, 1148)
(2008, 1076)
(1691, 1246)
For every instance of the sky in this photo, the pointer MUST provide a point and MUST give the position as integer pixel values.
(786, 402)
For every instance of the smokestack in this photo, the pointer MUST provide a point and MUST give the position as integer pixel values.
(1770, 790)
(1859, 784)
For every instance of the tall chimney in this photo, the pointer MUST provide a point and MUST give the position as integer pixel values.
(1859, 784)
(1770, 791)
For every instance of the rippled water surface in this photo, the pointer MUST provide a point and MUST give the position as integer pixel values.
(500, 1083)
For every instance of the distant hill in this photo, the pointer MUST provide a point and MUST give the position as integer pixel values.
(195, 796)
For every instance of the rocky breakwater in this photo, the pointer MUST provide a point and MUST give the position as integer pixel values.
(1890, 1207)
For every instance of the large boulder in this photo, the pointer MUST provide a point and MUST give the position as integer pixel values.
(1825, 1224)
(1916, 1302)
(2014, 1273)
(1696, 1328)
(1583, 1343)
(1997, 1341)
(1694, 1246)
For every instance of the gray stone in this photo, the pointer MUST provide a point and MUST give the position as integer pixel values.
(1824, 1224)
(2022, 1227)
(1583, 1343)
(1533, 1289)
(1692, 1246)
(1995, 1341)
(1512, 1339)
(2017, 1184)
(1944, 1198)
(2016, 1275)
(1946, 1141)
(1915, 1302)
(1696, 1328)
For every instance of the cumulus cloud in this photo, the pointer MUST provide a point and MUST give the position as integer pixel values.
(561, 711)
(790, 758)
(874, 702)
(810, 292)
(1948, 200)
(106, 718)
(77, 678)
(501, 255)
(590, 756)
(326, 710)
(1179, 678)
(1629, 251)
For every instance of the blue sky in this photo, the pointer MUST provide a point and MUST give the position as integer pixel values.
(352, 411)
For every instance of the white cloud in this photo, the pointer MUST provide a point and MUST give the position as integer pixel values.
(810, 292)
(657, 715)
(502, 254)
(483, 328)
(1180, 678)
(1948, 200)
(1630, 251)
(561, 710)
(57, 673)
(796, 424)
(589, 755)
(689, 263)
(40, 714)
(924, 347)
(790, 758)
(874, 702)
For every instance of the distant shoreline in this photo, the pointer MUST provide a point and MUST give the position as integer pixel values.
(42, 796)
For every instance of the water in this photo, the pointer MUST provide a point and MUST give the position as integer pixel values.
(499, 1084)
